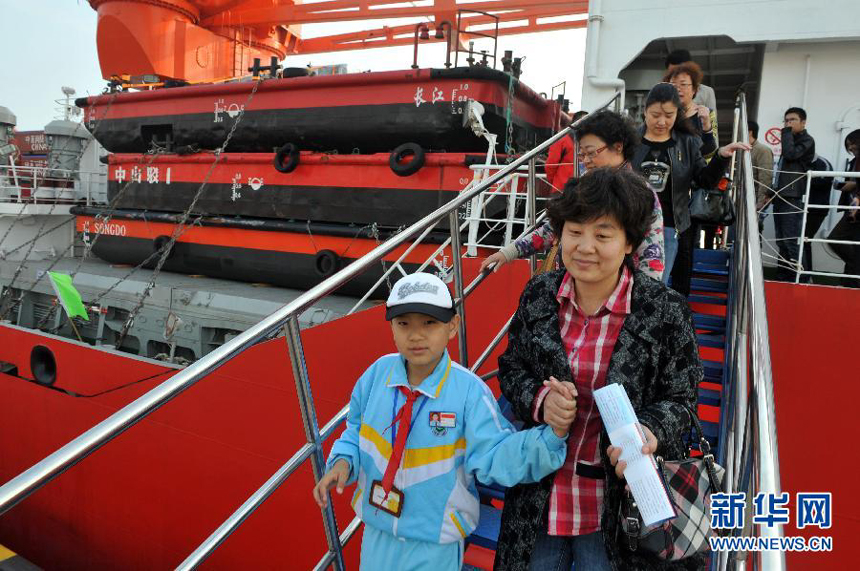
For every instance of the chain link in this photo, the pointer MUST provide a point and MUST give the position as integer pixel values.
(181, 226)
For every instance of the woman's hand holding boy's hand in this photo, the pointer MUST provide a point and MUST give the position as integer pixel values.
(559, 406)
(614, 452)
(337, 476)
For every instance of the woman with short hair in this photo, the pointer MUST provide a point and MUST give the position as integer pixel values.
(687, 77)
(596, 320)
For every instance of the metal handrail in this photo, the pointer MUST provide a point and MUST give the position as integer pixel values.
(20, 487)
(806, 207)
(751, 449)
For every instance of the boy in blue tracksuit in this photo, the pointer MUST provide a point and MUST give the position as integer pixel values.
(421, 430)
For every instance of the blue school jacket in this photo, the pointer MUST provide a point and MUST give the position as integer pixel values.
(458, 436)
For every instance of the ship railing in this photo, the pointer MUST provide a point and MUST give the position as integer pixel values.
(519, 186)
(807, 206)
(286, 320)
(509, 188)
(748, 438)
(45, 185)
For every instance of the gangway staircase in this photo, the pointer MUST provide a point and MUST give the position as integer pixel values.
(727, 301)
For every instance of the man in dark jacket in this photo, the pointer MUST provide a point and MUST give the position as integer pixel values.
(798, 152)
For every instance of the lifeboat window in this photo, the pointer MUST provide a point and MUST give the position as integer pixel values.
(43, 365)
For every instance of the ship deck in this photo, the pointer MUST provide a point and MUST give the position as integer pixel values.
(245, 301)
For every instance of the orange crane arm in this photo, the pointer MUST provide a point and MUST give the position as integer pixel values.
(208, 40)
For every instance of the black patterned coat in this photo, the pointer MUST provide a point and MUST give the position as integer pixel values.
(656, 359)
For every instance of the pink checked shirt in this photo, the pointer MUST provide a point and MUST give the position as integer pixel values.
(575, 502)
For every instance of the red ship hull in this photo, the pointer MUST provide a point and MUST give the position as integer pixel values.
(147, 499)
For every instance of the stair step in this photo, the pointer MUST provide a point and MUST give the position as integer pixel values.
(717, 387)
(704, 284)
(493, 491)
(713, 368)
(487, 533)
(710, 322)
(715, 341)
(708, 397)
(711, 270)
(698, 298)
(715, 257)
(712, 431)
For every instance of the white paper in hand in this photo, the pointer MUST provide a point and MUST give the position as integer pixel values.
(641, 472)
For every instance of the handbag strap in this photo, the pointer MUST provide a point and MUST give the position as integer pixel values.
(705, 448)
(631, 523)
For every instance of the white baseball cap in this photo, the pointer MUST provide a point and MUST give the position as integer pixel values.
(420, 293)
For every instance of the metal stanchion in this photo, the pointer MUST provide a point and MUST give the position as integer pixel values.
(801, 238)
(454, 222)
(532, 204)
(312, 431)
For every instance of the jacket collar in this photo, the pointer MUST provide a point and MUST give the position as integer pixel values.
(431, 386)
(618, 302)
(642, 320)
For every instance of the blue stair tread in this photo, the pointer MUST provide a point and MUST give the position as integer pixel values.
(711, 270)
(716, 341)
(706, 321)
(710, 256)
(713, 370)
(719, 266)
(494, 491)
(697, 298)
(711, 429)
(703, 284)
(487, 533)
(709, 397)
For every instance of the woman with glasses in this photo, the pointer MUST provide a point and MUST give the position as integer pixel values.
(606, 139)
(686, 78)
(670, 159)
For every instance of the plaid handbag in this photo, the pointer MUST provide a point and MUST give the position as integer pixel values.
(690, 483)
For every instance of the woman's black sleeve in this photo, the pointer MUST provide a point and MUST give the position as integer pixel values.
(517, 378)
(679, 376)
(708, 174)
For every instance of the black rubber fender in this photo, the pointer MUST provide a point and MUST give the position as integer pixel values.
(326, 263)
(287, 158)
(160, 242)
(290, 72)
(43, 365)
(411, 167)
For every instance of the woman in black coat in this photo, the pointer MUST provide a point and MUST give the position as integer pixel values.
(654, 357)
(670, 158)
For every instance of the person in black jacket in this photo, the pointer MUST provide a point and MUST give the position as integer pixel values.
(798, 152)
(848, 227)
(652, 352)
(670, 158)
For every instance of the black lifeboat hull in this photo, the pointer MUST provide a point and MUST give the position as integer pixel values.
(283, 253)
(345, 189)
(367, 112)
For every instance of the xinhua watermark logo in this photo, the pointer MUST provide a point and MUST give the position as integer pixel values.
(812, 510)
